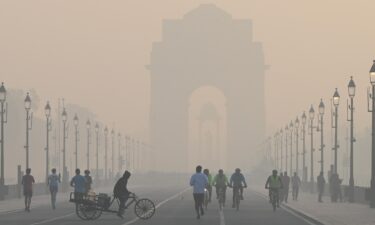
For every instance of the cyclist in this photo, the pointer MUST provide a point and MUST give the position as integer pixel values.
(274, 184)
(120, 191)
(53, 184)
(236, 181)
(209, 186)
(220, 182)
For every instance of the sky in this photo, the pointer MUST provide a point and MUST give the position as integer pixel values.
(93, 53)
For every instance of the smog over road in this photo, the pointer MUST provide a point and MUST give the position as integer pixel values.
(187, 112)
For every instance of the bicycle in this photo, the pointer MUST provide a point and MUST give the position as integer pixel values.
(206, 198)
(91, 207)
(237, 197)
(221, 198)
(274, 198)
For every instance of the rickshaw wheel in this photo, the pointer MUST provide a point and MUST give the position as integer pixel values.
(144, 209)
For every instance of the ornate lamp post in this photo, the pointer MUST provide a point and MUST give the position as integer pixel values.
(76, 122)
(119, 153)
(296, 126)
(304, 173)
(276, 150)
(291, 147)
(113, 152)
(65, 170)
(286, 146)
(3, 96)
(281, 150)
(47, 110)
(336, 102)
(97, 151)
(372, 80)
(351, 92)
(88, 127)
(29, 125)
(321, 113)
(311, 117)
(106, 153)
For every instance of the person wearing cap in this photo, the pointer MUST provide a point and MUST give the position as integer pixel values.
(236, 181)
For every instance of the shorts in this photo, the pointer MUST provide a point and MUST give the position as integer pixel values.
(28, 193)
(53, 189)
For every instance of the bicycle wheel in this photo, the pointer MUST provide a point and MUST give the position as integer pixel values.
(144, 209)
(238, 202)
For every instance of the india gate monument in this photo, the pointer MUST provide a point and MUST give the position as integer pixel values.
(207, 92)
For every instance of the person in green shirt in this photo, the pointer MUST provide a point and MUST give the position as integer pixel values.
(209, 186)
(220, 182)
(274, 184)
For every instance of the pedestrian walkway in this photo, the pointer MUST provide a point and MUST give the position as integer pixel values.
(341, 213)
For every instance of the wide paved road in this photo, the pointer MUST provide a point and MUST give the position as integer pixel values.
(173, 209)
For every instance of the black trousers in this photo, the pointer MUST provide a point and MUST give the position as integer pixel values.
(198, 199)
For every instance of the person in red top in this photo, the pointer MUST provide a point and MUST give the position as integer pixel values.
(27, 182)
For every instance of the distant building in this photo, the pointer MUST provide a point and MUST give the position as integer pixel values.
(206, 48)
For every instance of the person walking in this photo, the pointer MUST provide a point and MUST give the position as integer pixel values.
(320, 183)
(53, 184)
(79, 184)
(199, 181)
(281, 191)
(209, 186)
(88, 181)
(27, 183)
(286, 182)
(296, 183)
(120, 191)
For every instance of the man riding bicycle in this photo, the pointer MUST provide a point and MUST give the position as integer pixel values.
(220, 182)
(209, 186)
(236, 181)
(274, 184)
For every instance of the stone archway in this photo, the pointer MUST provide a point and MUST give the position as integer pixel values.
(207, 47)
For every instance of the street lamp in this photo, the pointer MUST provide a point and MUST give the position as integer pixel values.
(291, 147)
(65, 170)
(97, 152)
(88, 127)
(286, 147)
(119, 153)
(351, 92)
(304, 173)
(113, 152)
(276, 153)
(3, 96)
(372, 80)
(29, 124)
(76, 122)
(105, 152)
(281, 150)
(47, 110)
(321, 113)
(336, 102)
(311, 117)
(296, 125)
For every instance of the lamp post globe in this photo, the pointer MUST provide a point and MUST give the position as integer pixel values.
(351, 88)
(64, 116)
(321, 107)
(3, 93)
(27, 101)
(88, 124)
(47, 110)
(336, 98)
(296, 123)
(303, 118)
(311, 113)
(75, 120)
(372, 73)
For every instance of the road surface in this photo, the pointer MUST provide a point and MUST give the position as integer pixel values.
(175, 207)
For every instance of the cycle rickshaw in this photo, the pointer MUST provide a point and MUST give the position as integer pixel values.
(91, 207)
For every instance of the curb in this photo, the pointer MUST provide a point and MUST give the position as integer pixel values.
(300, 213)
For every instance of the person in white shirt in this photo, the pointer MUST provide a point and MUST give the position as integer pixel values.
(199, 181)
(53, 183)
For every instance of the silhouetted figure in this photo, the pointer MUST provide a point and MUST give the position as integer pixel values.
(79, 184)
(27, 182)
(209, 186)
(320, 183)
(88, 181)
(199, 181)
(120, 191)
(281, 191)
(335, 186)
(286, 182)
(221, 182)
(53, 184)
(296, 183)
